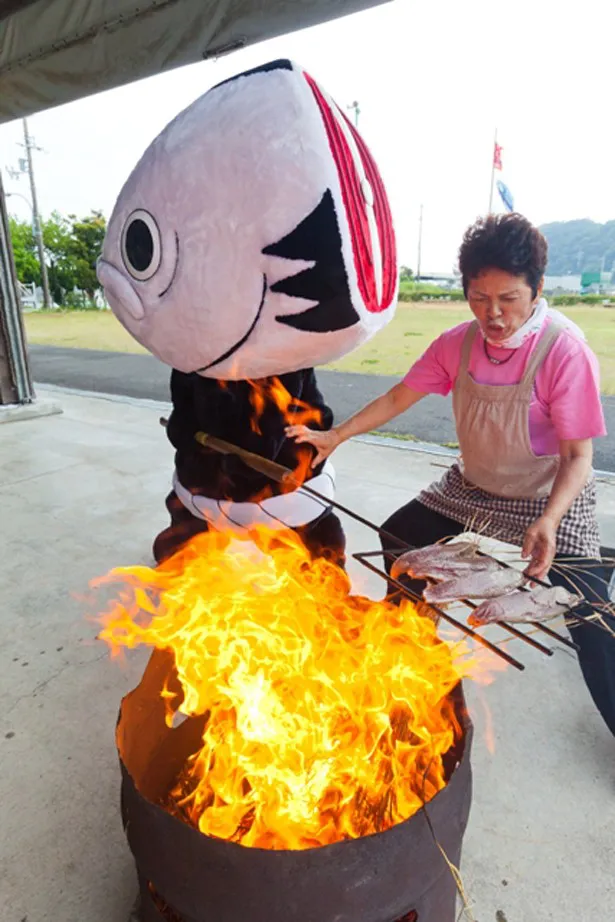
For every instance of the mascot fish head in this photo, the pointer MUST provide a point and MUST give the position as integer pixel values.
(254, 237)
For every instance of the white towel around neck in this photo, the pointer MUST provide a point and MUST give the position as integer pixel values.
(534, 323)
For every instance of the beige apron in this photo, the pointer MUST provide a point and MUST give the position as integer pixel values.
(493, 428)
(500, 486)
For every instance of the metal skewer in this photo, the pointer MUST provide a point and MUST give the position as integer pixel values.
(284, 475)
(464, 628)
(538, 624)
(515, 632)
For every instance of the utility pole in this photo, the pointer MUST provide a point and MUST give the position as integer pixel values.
(15, 378)
(418, 260)
(495, 147)
(355, 107)
(38, 229)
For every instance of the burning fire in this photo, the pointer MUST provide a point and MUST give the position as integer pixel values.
(328, 714)
(271, 392)
(294, 410)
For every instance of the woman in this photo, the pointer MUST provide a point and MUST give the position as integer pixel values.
(526, 401)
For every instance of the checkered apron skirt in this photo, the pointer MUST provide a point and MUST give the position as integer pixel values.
(508, 519)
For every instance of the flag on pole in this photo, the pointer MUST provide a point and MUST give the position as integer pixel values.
(497, 156)
(506, 195)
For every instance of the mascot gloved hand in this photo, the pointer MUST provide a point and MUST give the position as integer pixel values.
(251, 242)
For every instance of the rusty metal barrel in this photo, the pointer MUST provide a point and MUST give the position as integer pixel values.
(185, 876)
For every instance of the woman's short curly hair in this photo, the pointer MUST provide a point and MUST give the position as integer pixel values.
(508, 242)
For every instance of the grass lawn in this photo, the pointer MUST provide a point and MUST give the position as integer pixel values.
(394, 349)
(390, 353)
(79, 330)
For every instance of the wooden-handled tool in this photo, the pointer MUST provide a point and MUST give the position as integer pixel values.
(281, 474)
(270, 469)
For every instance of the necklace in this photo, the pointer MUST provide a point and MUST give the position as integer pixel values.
(497, 361)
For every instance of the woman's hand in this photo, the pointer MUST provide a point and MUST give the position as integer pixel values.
(323, 442)
(574, 469)
(539, 546)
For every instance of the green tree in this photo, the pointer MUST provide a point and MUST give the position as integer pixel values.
(72, 246)
(406, 274)
(87, 235)
(57, 240)
(25, 252)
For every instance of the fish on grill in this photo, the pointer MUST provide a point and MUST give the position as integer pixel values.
(449, 569)
(539, 604)
(489, 582)
(419, 561)
(460, 572)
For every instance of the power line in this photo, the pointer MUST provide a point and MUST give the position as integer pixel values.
(418, 260)
(36, 215)
(493, 156)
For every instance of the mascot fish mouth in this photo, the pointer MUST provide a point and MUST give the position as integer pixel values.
(118, 286)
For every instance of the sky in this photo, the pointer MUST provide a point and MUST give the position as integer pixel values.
(434, 80)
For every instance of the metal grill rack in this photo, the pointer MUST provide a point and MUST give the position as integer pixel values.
(364, 558)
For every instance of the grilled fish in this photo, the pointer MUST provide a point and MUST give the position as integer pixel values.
(451, 569)
(485, 583)
(419, 561)
(540, 604)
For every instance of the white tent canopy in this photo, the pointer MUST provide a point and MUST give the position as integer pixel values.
(56, 51)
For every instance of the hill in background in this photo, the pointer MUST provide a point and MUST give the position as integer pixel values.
(580, 246)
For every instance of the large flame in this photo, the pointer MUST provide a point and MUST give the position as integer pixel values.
(329, 713)
(294, 411)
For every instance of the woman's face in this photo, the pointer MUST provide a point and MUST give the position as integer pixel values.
(501, 302)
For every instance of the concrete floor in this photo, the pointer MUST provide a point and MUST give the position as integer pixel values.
(83, 492)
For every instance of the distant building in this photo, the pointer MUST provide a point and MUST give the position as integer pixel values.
(30, 297)
(597, 283)
(562, 284)
(443, 279)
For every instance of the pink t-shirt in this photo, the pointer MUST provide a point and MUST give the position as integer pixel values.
(566, 396)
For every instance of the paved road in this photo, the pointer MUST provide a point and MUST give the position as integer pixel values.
(145, 377)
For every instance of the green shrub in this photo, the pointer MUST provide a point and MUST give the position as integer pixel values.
(79, 301)
(571, 300)
(413, 291)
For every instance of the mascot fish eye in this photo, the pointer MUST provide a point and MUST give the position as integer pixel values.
(254, 237)
(252, 241)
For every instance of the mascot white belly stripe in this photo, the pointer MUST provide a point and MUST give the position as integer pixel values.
(288, 510)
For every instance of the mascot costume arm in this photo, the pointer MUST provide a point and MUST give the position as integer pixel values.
(251, 242)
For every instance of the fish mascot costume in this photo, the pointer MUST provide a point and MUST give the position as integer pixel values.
(251, 242)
